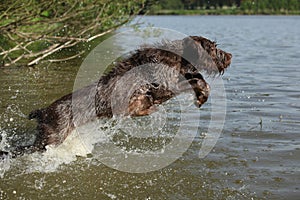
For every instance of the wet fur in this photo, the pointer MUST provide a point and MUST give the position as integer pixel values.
(186, 57)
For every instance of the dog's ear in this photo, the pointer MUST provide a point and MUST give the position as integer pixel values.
(191, 50)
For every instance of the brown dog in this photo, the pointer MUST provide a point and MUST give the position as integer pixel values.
(183, 58)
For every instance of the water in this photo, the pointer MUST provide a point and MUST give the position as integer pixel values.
(256, 156)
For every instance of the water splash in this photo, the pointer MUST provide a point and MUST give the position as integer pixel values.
(13, 108)
(88, 141)
(3, 143)
(66, 153)
(6, 161)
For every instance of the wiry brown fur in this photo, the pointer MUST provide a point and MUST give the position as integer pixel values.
(186, 57)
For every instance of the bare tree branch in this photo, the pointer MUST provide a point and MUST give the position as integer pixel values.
(32, 32)
(47, 53)
(66, 59)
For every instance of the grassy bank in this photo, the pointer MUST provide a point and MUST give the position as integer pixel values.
(224, 11)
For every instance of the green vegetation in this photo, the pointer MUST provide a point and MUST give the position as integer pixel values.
(226, 7)
(36, 30)
(32, 31)
(270, 7)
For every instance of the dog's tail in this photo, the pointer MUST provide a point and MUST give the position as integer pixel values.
(36, 114)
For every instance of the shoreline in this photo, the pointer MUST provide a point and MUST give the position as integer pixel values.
(227, 11)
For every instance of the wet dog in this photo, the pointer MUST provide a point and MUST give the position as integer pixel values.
(175, 62)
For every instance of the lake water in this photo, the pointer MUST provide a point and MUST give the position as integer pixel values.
(257, 156)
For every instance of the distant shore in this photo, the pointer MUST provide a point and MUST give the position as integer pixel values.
(224, 11)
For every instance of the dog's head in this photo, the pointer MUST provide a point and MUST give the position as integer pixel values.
(205, 55)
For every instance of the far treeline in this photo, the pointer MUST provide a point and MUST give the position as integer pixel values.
(282, 7)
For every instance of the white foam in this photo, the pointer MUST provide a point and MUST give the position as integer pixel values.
(6, 162)
(4, 166)
(79, 143)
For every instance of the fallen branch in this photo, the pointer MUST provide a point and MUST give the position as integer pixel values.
(50, 49)
(68, 58)
(35, 61)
